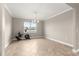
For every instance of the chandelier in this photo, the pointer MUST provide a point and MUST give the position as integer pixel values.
(35, 20)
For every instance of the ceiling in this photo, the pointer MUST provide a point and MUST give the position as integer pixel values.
(74, 5)
(44, 10)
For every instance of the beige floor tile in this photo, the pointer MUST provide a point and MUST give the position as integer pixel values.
(38, 47)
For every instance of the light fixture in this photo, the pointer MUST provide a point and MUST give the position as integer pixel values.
(35, 20)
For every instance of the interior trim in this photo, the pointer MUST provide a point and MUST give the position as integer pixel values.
(67, 44)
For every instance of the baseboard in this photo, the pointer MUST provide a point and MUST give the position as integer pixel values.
(7, 45)
(75, 51)
(67, 44)
(14, 39)
(36, 37)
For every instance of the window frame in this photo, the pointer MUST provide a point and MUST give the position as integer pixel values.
(30, 30)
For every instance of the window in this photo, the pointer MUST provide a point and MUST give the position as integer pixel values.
(30, 27)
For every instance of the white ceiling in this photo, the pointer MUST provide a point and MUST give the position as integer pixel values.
(74, 5)
(44, 10)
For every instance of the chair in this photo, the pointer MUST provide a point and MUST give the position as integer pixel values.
(27, 36)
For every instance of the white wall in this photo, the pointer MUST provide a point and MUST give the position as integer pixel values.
(60, 27)
(5, 28)
(75, 6)
(18, 27)
(8, 27)
(76, 28)
(0, 29)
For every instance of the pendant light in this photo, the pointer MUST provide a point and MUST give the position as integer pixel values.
(35, 20)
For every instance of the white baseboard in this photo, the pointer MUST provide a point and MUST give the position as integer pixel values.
(60, 42)
(14, 39)
(7, 45)
(37, 37)
(75, 51)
